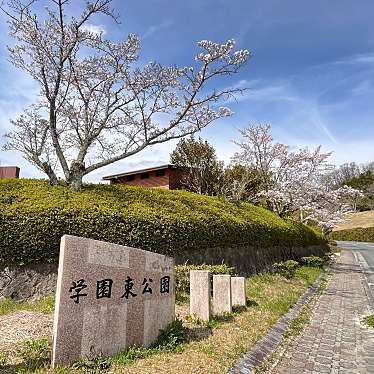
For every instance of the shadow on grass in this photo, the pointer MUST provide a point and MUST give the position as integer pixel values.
(252, 303)
(198, 333)
(201, 330)
(29, 366)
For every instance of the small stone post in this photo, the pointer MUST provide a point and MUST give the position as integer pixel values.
(238, 293)
(200, 294)
(222, 294)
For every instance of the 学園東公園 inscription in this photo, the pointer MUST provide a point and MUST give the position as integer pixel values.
(109, 297)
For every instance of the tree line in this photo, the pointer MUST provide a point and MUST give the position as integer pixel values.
(300, 183)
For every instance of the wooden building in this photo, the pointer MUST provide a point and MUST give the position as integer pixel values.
(9, 172)
(164, 176)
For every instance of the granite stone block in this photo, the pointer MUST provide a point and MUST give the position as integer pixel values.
(238, 293)
(222, 294)
(200, 291)
(109, 297)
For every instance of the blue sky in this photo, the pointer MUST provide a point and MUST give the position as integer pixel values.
(311, 75)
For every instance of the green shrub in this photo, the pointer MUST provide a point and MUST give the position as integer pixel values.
(182, 275)
(359, 234)
(369, 320)
(3, 359)
(34, 354)
(314, 261)
(172, 337)
(287, 268)
(168, 222)
(93, 365)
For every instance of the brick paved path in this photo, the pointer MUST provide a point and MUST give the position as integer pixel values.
(335, 341)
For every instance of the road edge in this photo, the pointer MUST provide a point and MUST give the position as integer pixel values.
(272, 341)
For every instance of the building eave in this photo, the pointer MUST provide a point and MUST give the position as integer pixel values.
(120, 175)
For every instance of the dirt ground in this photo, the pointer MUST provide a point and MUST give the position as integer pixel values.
(24, 325)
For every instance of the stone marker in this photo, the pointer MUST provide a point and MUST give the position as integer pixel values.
(200, 294)
(238, 294)
(222, 294)
(109, 297)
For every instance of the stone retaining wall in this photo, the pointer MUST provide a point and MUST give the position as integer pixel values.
(34, 281)
(21, 283)
(249, 260)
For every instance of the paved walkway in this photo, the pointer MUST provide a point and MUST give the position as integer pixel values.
(335, 341)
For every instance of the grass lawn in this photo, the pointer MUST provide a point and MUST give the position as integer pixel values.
(43, 305)
(213, 347)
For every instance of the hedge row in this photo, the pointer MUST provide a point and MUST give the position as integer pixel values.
(360, 234)
(34, 216)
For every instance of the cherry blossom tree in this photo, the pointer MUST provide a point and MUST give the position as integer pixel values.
(97, 105)
(350, 196)
(286, 175)
(293, 180)
(328, 208)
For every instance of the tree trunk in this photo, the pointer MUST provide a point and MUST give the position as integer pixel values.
(75, 182)
(53, 180)
(77, 170)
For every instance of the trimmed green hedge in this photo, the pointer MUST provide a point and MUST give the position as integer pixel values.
(34, 216)
(359, 234)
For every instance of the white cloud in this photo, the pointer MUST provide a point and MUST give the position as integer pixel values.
(257, 90)
(296, 109)
(156, 28)
(364, 58)
(364, 87)
(94, 29)
(359, 151)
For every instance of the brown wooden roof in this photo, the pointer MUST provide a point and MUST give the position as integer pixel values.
(115, 176)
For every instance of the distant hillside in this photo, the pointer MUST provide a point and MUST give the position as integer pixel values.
(359, 227)
(359, 219)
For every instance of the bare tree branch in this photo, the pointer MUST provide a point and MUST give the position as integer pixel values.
(95, 104)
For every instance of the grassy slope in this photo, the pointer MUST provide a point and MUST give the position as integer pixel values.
(358, 227)
(44, 305)
(359, 219)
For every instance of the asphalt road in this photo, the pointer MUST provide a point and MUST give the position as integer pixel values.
(364, 255)
(365, 249)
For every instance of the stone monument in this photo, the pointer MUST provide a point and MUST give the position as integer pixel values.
(109, 297)
(222, 294)
(200, 294)
(238, 293)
